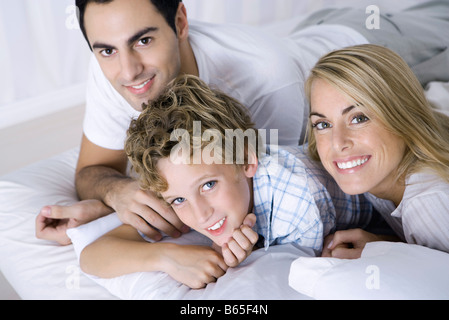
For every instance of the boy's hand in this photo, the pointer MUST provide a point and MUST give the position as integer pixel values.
(194, 266)
(240, 246)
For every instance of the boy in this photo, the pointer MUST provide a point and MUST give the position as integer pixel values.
(220, 188)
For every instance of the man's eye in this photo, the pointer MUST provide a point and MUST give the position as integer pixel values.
(107, 52)
(144, 41)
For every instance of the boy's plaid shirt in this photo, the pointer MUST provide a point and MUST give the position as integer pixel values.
(296, 200)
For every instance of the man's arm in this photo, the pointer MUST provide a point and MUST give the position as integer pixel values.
(123, 251)
(101, 175)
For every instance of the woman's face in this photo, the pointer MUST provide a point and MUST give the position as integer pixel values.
(354, 147)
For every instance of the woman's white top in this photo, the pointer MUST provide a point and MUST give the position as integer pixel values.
(422, 217)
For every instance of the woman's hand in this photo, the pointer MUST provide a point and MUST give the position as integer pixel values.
(347, 244)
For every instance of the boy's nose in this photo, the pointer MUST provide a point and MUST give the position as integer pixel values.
(203, 211)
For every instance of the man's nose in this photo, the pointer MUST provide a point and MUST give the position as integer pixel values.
(131, 66)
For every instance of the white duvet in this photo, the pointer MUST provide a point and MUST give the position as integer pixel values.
(43, 270)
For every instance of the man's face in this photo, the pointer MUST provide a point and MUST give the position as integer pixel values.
(136, 48)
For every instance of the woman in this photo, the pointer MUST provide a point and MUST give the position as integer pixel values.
(375, 133)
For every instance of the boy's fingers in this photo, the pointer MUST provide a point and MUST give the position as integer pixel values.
(250, 234)
(236, 248)
(228, 256)
(241, 240)
(250, 220)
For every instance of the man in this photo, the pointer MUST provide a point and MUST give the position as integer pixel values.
(140, 45)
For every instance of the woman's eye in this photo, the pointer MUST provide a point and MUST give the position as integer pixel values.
(359, 119)
(321, 125)
(209, 185)
(178, 201)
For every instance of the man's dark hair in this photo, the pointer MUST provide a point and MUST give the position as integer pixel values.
(167, 8)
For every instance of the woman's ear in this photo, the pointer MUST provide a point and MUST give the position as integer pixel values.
(250, 168)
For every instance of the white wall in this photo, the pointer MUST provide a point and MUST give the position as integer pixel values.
(44, 57)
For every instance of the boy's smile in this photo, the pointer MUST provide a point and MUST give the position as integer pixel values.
(213, 199)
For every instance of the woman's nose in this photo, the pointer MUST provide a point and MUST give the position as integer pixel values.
(341, 138)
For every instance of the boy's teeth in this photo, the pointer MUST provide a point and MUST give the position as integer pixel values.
(351, 164)
(142, 85)
(217, 225)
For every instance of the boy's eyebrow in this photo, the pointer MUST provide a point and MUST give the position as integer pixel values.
(131, 40)
(195, 182)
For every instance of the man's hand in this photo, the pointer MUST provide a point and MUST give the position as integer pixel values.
(101, 175)
(146, 212)
(240, 246)
(52, 222)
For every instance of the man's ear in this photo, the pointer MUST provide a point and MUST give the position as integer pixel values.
(250, 168)
(181, 22)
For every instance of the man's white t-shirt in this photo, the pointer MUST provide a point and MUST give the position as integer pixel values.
(265, 73)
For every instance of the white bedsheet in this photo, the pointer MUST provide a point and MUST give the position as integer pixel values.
(263, 276)
(40, 269)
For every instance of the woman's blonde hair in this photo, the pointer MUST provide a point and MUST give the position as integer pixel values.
(186, 100)
(379, 80)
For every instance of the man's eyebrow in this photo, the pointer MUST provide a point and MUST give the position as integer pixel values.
(131, 40)
(140, 33)
(99, 45)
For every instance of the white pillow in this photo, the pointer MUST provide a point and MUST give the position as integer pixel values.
(386, 270)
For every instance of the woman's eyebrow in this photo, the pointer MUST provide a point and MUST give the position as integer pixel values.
(345, 111)
(348, 109)
(316, 114)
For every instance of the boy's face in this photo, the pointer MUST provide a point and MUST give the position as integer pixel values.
(213, 199)
(136, 48)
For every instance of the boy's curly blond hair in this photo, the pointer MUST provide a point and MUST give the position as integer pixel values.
(187, 99)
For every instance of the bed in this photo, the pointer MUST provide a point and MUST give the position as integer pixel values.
(39, 269)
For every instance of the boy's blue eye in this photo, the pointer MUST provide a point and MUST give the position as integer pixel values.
(178, 201)
(209, 185)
